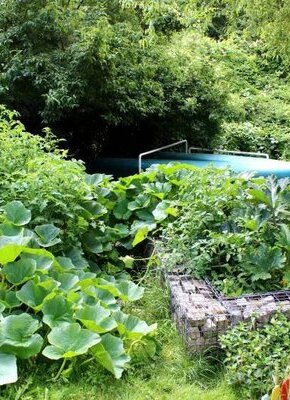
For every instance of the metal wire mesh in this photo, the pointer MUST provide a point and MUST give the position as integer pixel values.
(202, 313)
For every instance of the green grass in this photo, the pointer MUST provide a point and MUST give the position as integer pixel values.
(170, 375)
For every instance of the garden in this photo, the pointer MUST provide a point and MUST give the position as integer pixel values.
(83, 303)
(85, 310)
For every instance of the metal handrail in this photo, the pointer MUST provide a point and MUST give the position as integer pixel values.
(141, 155)
(241, 153)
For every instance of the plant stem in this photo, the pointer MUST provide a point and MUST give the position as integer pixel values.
(87, 361)
(60, 370)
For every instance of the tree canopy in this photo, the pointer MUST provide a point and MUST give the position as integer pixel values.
(102, 73)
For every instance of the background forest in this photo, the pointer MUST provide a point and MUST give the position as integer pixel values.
(143, 72)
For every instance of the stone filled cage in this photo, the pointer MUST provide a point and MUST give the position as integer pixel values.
(202, 313)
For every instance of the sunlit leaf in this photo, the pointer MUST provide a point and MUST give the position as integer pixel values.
(47, 235)
(96, 318)
(8, 369)
(56, 311)
(132, 327)
(69, 340)
(19, 271)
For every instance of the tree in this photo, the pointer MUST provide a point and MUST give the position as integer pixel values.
(103, 71)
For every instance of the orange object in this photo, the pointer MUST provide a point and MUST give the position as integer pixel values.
(285, 389)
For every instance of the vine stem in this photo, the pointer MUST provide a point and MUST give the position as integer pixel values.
(148, 266)
(87, 361)
(60, 370)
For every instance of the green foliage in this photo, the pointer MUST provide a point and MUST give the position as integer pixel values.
(160, 70)
(57, 294)
(8, 369)
(254, 355)
(231, 226)
(71, 212)
(170, 373)
(64, 245)
(265, 20)
(133, 75)
(60, 243)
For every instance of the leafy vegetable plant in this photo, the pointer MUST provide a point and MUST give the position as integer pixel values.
(54, 307)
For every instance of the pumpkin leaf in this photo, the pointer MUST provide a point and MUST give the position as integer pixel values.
(8, 369)
(47, 235)
(132, 327)
(19, 271)
(35, 294)
(96, 318)
(111, 354)
(17, 335)
(16, 213)
(57, 311)
(69, 340)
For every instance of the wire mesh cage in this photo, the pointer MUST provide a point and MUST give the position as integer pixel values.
(202, 313)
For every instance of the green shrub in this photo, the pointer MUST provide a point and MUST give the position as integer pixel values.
(253, 355)
(247, 136)
(232, 226)
(99, 217)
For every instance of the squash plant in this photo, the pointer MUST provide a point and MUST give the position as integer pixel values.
(55, 306)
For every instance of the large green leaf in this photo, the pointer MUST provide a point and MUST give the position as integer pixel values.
(132, 327)
(47, 235)
(76, 256)
(19, 271)
(8, 369)
(17, 335)
(162, 210)
(56, 311)
(11, 247)
(263, 261)
(140, 230)
(67, 280)
(129, 291)
(16, 213)
(69, 340)
(121, 210)
(35, 294)
(140, 235)
(66, 263)
(96, 318)
(260, 196)
(105, 297)
(9, 229)
(111, 354)
(93, 242)
(9, 299)
(43, 258)
(141, 201)
(283, 236)
(125, 290)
